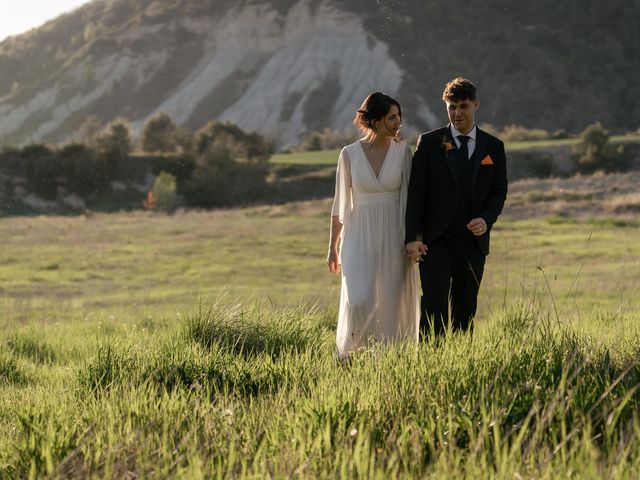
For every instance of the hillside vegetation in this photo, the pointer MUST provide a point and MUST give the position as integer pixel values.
(543, 64)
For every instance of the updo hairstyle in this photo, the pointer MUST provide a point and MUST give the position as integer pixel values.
(374, 108)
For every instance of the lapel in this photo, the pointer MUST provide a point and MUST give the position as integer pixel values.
(451, 155)
(479, 152)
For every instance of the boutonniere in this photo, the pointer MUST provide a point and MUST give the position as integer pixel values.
(447, 143)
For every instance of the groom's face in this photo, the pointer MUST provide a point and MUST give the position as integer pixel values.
(462, 114)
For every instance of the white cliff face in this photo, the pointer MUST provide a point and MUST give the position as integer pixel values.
(288, 59)
(329, 42)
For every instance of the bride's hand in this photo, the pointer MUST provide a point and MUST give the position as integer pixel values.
(332, 261)
(414, 249)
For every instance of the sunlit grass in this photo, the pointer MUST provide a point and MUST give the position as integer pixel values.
(234, 391)
(202, 345)
(330, 157)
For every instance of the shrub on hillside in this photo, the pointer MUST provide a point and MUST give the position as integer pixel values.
(593, 152)
(81, 170)
(159, 134)
(184, 139)
(112, 147)
(219, 180)
(10, 161)
(164, 191)
(516, 133)
(41, 170)
(327, 139)
(533, 163)
(180, 165)
(241, 145)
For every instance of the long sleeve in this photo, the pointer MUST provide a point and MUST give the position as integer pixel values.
(404, 188)
(417, 192)
(342, 202)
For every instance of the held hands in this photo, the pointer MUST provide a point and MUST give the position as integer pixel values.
(415, 250)
(477, 226)
(332, 261)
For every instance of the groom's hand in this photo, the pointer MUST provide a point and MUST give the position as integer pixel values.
(477, 226)
(415, 250)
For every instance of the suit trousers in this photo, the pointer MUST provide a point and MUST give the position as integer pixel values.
(450, 274)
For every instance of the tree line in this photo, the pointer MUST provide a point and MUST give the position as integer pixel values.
(218, 165)
(221, 165)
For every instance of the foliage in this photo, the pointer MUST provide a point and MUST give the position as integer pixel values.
(159, 134)
(327, 139)
(240, 145)
(526, 80)
(180, 165)
(593, 152)
(220, 180)
(164, 191)
(516, 133)
(41, 170)
(540, 88)
(82, 170)
(112, 147)
(228, 167)
(528, 164)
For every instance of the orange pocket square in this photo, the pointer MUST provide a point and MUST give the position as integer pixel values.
(486, 161)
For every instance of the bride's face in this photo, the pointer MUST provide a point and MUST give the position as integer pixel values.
(389, 125)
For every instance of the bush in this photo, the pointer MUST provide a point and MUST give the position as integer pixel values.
(593, 151)
(517, 133)
(164, 191)
(249, 146)
(81, 170)
(218, 180)
(327, 139)
(113, 146)
(159, 134)
(11, 161)
(180, 165)
(526, 164)
(42, 169)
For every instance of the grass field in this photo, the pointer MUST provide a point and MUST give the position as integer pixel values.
(200, 345)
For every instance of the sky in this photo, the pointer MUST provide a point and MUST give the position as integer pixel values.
(18, 16)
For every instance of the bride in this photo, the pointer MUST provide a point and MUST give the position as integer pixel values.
(379, 298)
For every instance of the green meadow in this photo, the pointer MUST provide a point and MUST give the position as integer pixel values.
(201, 345)
(330, 157)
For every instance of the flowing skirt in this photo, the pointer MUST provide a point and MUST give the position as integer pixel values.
(379, 298)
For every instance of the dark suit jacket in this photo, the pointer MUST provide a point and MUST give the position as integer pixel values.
(434, 182)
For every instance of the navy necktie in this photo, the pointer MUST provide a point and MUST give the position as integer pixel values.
(466, 172)
(464, 148)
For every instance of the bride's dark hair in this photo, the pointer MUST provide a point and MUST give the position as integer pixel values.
(374, 107)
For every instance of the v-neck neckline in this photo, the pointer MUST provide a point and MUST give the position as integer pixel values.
(384, 162)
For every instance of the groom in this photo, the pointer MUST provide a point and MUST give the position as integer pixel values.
(457, 189)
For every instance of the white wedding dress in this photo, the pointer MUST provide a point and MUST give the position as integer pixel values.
(379, 299)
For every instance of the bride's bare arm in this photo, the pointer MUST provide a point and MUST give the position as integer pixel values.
(334, 239)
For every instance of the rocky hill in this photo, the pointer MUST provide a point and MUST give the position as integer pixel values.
(289, 67)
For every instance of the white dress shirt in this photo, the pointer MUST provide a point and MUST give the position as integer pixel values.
(471, 143)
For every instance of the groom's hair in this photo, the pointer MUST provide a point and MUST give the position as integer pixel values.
(459, 89)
